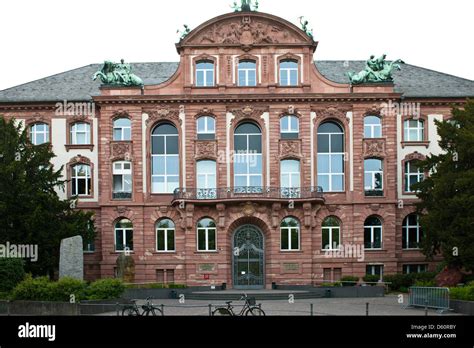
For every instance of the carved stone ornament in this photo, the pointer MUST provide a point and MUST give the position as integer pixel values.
(248, 209)
(415, 156)
(247, 112)
(334, 112)
(121, 150)
(290, 148)
(374, 148)
(206, 149)
(122, 210)
(79, 160)
(246, 30)
(162, 113)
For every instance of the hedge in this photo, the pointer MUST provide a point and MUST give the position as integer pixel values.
(401, 282)
(12, 272)
(42, 289)
(465, 293)
(349, 281)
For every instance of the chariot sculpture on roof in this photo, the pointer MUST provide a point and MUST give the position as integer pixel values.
(376, 70)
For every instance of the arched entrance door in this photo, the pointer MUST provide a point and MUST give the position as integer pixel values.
(248, 258)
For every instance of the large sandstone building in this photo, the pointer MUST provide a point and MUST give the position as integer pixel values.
(246, 163)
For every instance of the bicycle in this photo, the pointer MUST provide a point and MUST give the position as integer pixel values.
(148, 309)
(249, 309)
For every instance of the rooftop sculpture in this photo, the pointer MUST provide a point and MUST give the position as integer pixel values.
(304, 26)
(376, 70)
(118, 74)
(245, 6)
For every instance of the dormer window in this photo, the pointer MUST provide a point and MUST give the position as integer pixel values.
(289, 72)
(205, 73)
(247, 73)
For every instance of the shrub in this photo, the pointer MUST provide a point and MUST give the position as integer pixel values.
(349, 281)
(177, 286)
(398, 281)
(12, 272)
(465, 293)
(371, 278)
(331, 285)
(65, 287)
(105, 289)
(30, 289)
(425, 283)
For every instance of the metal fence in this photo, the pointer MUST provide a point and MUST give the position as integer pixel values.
(435, 298)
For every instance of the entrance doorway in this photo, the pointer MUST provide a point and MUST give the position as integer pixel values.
(248, 258)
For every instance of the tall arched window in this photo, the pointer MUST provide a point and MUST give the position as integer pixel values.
(122, 129)
(412, 234)
(206, 128)
(205, 73)
(373, 170)
(165, 236)
(123, 235)
(248, 168)
(206, 235)
(288, 72)
(81, 180)
(290, 234)
(247, 73)
(372, 127)
(413, 175)
(39, 133)
(373, 233)
(165, 159)
(331, 157)
(289, 127)
(206, 179)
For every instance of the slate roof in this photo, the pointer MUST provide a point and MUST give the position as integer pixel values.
(77, 84)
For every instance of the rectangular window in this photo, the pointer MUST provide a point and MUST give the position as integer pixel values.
(375, 270)
(207, 239)
(165, 240)
(123, 240)
(331, 238)
(407, 269)
(122, 180)
(80, 134)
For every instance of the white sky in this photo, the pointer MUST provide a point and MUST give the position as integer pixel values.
(42, 38)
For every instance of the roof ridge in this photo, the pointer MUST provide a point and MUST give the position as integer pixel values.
(440, 72)
(46, 77)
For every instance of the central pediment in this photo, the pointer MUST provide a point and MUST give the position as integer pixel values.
(246, 29)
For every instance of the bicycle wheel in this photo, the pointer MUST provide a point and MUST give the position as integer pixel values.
(222, 312)
(255, 311)
(154, 312)
(130, 312)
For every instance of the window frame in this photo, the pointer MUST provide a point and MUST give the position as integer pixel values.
(330, 230)
(372, 229)
(248, 155)
(287, 71)
(206, 236)
(206, 131)
(122, 129)
(34, 133)
(407, 128)
(205, 60)
(88, 180)
(373, 127)
(247, 72)
(373, 174)
(406, 232)
(74, 132)
(124, 236)
(165, 231)
(289, 231)
(123, 173)
(165, 155)
(408, 175)
(289, 131)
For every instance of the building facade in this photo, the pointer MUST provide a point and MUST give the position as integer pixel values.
(247, 163)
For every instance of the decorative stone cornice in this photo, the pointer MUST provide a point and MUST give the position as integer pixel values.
(332, 112)
(163, 113)
(247, 112)
(415, 156)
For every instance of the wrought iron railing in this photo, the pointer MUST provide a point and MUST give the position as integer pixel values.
(246, 192)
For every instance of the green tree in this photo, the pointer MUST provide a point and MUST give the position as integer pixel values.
(31, 212)
(447, 194)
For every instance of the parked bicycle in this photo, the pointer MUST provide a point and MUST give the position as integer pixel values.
(249, 309)
(147, 309)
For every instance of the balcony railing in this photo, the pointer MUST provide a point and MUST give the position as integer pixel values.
(258, 192)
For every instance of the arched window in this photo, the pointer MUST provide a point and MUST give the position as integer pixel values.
(122, 129)
(123, 235)
(205, 73)
(81, 180)
(373, 170)
(289, 127)
(414, 130)
(206, 179)
(122, 177)
(413, 175)
(206, 128)
(288, 72)
(411, 232)
(373, 233)
(290, 178)
(206, 235)
(165, 236)
(331, 157)
(372, 127)
(39, 133)
(331, 229)
(248, 168)
(165, 159)
(247, 73)
(290, 234)
(80, 133)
